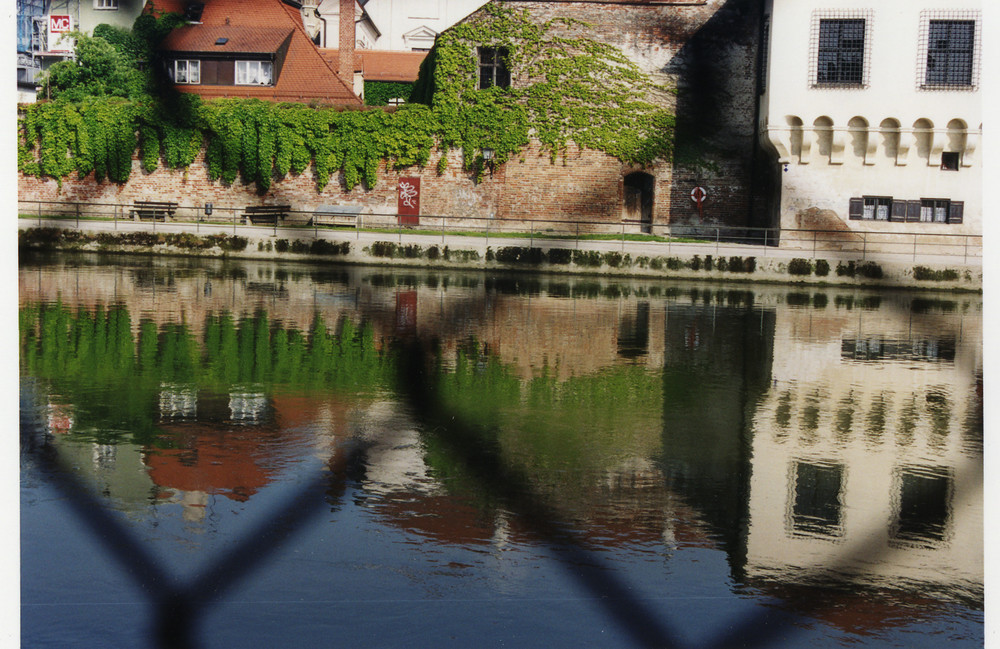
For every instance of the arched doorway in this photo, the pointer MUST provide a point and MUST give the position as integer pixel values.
(638, 200)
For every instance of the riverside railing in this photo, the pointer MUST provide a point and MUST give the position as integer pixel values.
(809, 243)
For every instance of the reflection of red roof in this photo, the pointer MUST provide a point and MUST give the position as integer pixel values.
(382, 65)
(214, 460)
(259, 26)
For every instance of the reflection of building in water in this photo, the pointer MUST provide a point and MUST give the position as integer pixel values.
(867, 450)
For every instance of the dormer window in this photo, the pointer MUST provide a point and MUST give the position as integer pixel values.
(187, 71)
(253, 73)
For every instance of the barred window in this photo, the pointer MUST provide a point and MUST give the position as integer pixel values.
(841, 53)
(950, 52)
(493, 67)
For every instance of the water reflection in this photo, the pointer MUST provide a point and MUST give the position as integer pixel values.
(829, 443)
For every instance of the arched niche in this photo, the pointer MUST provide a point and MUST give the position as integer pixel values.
(889, 134)
(957, 135)
(795, 126)
(857, 127)
(823, 127)
(923, 135)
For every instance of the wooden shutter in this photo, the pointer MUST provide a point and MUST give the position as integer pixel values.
(897, 212)
(855, 208)
(956, 210)
(912, 211)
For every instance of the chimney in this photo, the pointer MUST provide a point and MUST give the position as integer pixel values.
(346, 44)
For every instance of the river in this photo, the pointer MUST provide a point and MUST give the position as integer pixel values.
(221, 454)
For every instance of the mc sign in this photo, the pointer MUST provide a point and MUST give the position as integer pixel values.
(59, 25)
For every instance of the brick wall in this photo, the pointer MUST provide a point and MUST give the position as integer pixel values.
(709, 51)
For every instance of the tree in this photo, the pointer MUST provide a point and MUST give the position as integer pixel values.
(100, 70)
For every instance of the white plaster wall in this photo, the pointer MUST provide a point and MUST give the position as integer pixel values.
(397, 18)
(811, 179)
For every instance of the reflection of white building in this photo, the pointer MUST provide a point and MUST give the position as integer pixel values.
(873, 470)
(874, 111)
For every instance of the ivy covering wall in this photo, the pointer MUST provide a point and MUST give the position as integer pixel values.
(566, 90)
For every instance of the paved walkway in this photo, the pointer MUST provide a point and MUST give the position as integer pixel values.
(905, 254)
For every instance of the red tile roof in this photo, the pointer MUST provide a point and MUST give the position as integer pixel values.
(255, 26)
(382, 65)
(203, 38)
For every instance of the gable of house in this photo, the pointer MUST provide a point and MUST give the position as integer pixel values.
(249, 48)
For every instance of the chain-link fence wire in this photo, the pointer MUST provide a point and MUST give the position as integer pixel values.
(179, 607)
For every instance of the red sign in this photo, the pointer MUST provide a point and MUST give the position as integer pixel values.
(408, 200)
(59, 25)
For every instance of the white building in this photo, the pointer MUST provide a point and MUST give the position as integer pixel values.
(412, 25)
(874, 111)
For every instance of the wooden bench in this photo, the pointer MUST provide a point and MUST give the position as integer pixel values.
(266, 214)
(153, 210)
(336, 215)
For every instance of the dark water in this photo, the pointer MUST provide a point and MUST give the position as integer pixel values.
(256, 455)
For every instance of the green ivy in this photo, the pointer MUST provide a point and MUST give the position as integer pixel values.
(566, 90)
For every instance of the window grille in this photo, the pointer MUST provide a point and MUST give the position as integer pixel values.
(106, 4)
(493, 67)
(840, 49)
(949, 50)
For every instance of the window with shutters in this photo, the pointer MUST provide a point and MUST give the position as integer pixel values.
(840, 49)
(876, 208)
(924, 210)
(934, 210)
(493, 67)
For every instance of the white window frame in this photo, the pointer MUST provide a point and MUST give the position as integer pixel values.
(248, 67)
(192, 71)
(106, 5)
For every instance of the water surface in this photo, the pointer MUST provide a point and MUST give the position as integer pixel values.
(222, 454)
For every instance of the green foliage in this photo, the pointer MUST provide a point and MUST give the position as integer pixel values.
(378, 93)
(924, 273)
(799, 266)
(568, 90)
(99, 70)
(822, 267)
(565, 89)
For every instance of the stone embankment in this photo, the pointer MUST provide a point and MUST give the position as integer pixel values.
(688, 261)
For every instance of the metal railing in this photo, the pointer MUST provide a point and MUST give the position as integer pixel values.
(810, 243)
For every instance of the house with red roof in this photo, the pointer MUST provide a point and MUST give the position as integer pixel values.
(251, 49)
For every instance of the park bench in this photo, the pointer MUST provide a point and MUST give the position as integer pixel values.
(336, 215)
(266, 214)
(153, 210)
